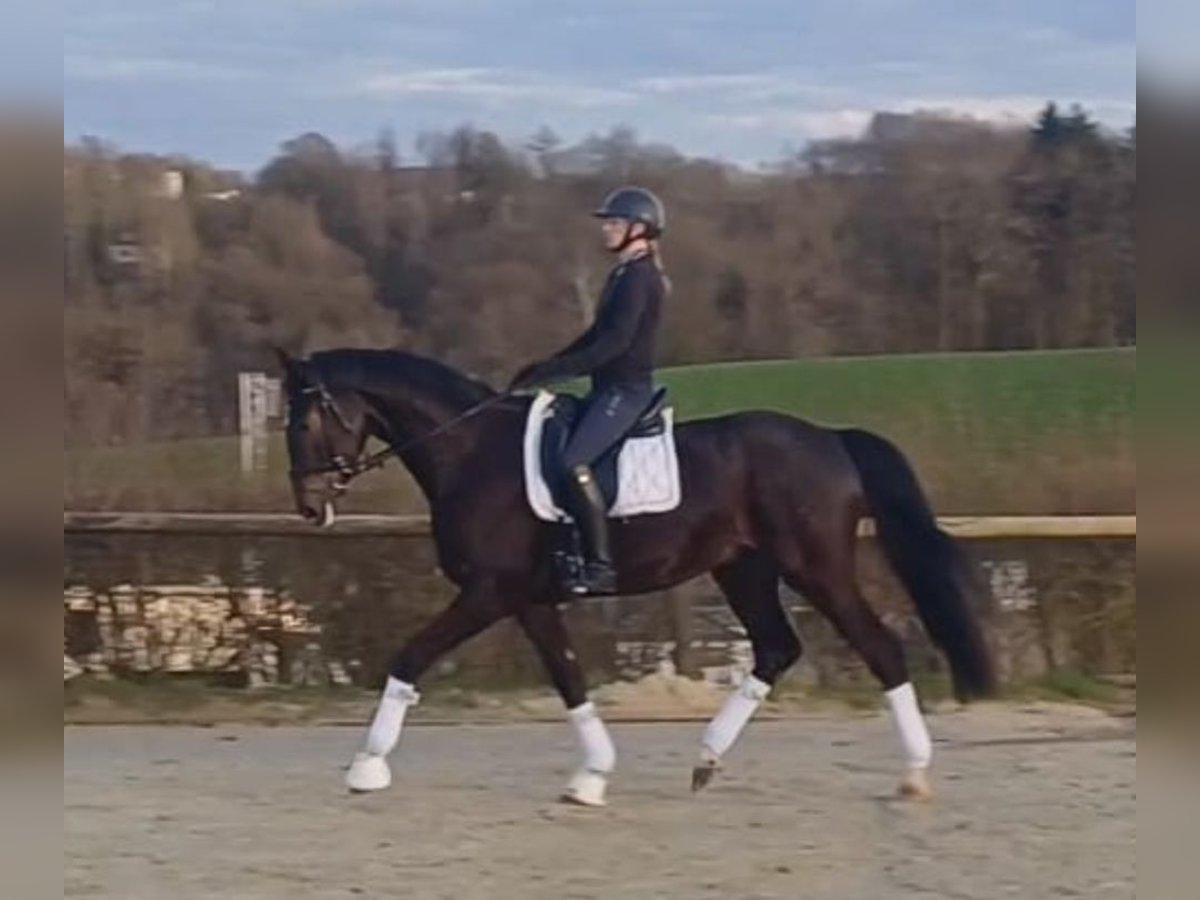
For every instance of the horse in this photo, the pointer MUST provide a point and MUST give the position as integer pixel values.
(766, 498)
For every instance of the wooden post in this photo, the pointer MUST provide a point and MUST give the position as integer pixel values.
(680, 600)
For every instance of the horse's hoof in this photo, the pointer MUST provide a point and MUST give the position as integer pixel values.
(368, 773)
(585, 789)
(915, 786)
(702, 775)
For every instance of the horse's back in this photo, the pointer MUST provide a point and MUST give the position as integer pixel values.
(761, 428)
(776, 451)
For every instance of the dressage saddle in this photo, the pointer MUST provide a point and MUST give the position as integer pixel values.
(561, 417)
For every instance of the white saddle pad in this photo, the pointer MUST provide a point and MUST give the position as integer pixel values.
(647, 470)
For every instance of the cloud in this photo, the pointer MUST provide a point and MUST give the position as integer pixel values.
(1017, 108)
(486, 84)
(833, 123)
(740, 80)
(739, 87)
(425, 81)
(786, 122)
(682, 84)
(811, 124)
(1013, 108)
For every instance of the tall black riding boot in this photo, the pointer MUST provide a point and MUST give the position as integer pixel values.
(591, 518)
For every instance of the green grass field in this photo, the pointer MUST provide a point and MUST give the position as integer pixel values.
(1029, 432)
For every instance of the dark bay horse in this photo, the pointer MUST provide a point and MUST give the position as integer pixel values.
(766, 498)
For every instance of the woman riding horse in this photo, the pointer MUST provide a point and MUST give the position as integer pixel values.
(771, 500)
(617, 351)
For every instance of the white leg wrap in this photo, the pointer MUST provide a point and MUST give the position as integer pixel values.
(910, 725)
(728, 723)
(384, 732)
(599, 755)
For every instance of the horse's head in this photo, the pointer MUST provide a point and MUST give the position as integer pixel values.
(327, 427)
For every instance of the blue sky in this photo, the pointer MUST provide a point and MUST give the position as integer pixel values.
(229, 81)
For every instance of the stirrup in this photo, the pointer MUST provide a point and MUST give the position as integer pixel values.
(584, 578)
(600, 578)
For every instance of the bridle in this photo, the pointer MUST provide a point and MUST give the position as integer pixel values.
(343, 467)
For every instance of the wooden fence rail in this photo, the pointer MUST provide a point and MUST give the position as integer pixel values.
(281, 524)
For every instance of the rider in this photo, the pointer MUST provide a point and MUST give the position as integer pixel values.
(617, 351)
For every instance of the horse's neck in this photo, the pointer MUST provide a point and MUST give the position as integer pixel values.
(413, 415)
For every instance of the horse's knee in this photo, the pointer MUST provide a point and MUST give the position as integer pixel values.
(479, 606)
(771, 662)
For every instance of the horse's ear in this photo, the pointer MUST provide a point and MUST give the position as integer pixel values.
(293, 369)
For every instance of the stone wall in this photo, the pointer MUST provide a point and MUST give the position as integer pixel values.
(303, 611)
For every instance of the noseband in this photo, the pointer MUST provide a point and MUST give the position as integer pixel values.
(339, 464)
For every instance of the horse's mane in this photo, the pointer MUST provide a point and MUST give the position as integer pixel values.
(395, 371)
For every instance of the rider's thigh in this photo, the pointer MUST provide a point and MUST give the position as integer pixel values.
(609, 414)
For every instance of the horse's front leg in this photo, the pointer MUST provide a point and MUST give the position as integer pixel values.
(544, 626)
(479, 605)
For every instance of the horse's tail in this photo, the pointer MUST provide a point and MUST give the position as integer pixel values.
(928, 561)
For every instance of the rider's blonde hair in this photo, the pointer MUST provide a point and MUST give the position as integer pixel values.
(656, 255)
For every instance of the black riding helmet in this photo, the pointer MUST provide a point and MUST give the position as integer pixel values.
(635, 204)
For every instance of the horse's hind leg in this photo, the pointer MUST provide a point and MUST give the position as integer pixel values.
(833, 591)
(751, 585)
(543, 625)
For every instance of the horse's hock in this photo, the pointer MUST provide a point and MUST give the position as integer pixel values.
(305, 611)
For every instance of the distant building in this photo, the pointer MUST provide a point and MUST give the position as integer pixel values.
(171, 186)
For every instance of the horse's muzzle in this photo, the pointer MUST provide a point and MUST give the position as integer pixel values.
(322, 515)
(314, 497)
